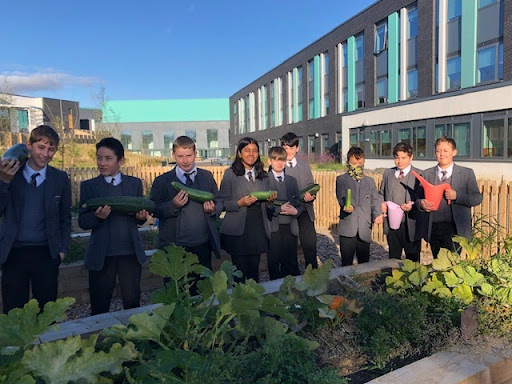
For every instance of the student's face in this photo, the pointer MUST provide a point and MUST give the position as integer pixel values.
(249, 155)
(445, 154)
(403, 160)
(107, 162)
(185, 158)
(41, 153)
(291, 152)
(356, 162)
(277, 164)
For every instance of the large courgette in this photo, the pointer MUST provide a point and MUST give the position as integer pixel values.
(194, 194)
(311, 188)
(123, 204)
(262, 195)
(348, 201)
(18, 152)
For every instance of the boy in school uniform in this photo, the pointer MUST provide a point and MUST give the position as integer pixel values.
(401, 187)
(35, 203)
(183, 221)
(282, 253)
(114, 247)
(301, 171)
(355, 226)
(454, 214)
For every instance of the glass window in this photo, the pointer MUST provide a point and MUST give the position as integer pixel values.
(301, 143)
(486, 61)
(325, 84)
(412, 22)
(386, 143)
(500, 61)
(412, 83)
(420, 141)
(360, 95)
(443, 130)
(212, 138)
(299, 92)
(404, 135)
(311, 144)
(493, 136)
(484, 3)
(23, 121)
(325, 144)
(345, 100)
(311, 89)
(461, 135)
(382, 91)
(359, 47)
(263, 112)
(375, 143)
(454, 9)
(353, 139)
(380, 37)
(191, 133)
(168, 140)
(126, 140)
(453, 73)
(147, 140)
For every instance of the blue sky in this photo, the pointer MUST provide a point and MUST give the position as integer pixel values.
(157, 49)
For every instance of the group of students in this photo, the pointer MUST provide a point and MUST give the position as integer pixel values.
(35, 202)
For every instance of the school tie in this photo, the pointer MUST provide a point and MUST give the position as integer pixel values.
(33, 178)
(113, 182)
(189, 180)
(400, 175)
(249, 175)
(444, 178)
(290, 164)
(280, 179)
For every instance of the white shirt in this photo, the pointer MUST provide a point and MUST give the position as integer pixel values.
(180, 174)
(293, 161)
(448, 170)
(406, 170)
(280, 174)
(28, 172)
(117, 179)
(250, 171)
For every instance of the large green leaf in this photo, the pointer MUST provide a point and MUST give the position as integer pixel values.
(286, 289)
(314, 281)
(472, 277)
(410, 265)
(75, 360)
(432, 285)
(272, 305)
(486, 289)
(463, 293)
(451, 279)
(443, 261)
(174, 262)
(417, 278)
(443, 292)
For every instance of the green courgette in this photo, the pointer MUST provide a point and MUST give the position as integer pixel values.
(311, 188)
(262, 195)
(18, 152)
(348, 201)
(123, 204)
(194, 194)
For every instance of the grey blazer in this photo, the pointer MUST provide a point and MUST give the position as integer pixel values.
(292, 190)
(57, 210)
(162, 193)
(366, 206)
(415, 218)
(98, 242)
(304, 178)
(232, 188)
(463, 181)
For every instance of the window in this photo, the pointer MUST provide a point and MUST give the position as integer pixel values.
(263, 111)
(380, 37)
(299, 93)
(461, 135)
(235, 117)
(311, 144)
(126, 140)
(484, 3)
(325, 144)
(360, 101)
(382, 91)
(295, 95)
(419, 141)
(454, 9)
(404, 135)
(311, 88)
(276, 100)
(486, 62)
(325, 83)
(412, 83)
(212, 138)
(147, 140)
(380, 143)
(241, 117)
(453, 73)
(345, 78)
(251, 112)
(168, 140)
(357, 138)
(22, 121)
(360, 95)
(443, 130)
(493, 138)
(412, 22)
(191, 133)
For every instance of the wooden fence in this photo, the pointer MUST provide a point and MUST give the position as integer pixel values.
(495, 208)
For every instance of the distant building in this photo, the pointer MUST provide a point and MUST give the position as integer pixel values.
(400, 70)
(150, 126)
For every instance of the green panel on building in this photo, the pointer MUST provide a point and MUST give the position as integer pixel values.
(151, 111)
(393, 57)
(468, 43)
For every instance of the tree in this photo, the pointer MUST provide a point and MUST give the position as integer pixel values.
(108, 120)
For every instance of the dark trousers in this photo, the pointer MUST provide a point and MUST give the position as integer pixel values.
(204, 253)
(350, 246)
(102, 283)
(28, 266)
(398, 239)
(307, 236)
(282, 254)
(441, 237)
(249, 265)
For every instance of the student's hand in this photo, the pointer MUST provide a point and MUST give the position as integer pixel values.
(384, 207)
(379, 219)
(450, 194)
(272, 197)
(180, 199)
(349, 210)
(103, 212)
(62, 256)
(407, 206)
(209, 206)
(142, 215)
(427, 205)
(8, 169)
(309, 197)
(246, 201)
(288, 209)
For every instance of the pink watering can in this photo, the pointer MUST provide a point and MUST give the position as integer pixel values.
(395, 214)
(433, 193)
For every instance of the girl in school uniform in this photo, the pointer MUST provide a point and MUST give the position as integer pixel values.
(245, 230)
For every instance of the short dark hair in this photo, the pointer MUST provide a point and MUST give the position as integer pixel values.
(290, 139)
(278, 153)
(355, 152)
(113, 144)
(183, 142)
(403, 147)
(43, 132)
(446, 139)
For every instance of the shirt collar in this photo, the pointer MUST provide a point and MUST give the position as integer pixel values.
(276, 174)
(448, 170)
(28, 172)
(406, 170)
(180, 173)
(117, 178)
(293, 161)
(250, 170)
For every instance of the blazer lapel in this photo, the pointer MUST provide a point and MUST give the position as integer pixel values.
(18, 185)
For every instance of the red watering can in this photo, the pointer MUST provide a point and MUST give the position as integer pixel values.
(433, 193)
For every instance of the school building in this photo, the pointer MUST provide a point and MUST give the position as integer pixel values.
(150, 126)
(400, 70)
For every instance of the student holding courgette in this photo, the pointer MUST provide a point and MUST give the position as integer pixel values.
(245, 230)
(186, 201)
(115, 248)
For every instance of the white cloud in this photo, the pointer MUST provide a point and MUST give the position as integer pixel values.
(20, 82)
